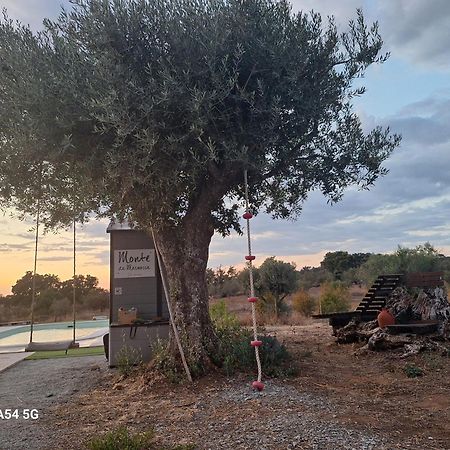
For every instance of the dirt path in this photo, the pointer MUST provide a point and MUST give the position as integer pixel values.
(40, 385)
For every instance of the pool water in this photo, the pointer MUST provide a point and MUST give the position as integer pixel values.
(17, 337)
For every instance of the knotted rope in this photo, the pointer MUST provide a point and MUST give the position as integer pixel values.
(252, 299)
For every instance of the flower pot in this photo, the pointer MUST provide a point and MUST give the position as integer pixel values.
(385, 318)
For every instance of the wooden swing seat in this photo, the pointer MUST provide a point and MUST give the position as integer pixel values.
(50, 346)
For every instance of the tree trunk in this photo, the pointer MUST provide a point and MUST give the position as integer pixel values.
(184, 250)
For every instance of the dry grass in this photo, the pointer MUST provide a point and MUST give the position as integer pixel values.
(239, 306)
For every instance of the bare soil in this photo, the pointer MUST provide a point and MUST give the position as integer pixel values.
(337, 401)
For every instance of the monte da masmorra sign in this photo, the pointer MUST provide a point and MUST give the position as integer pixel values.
(136, 263)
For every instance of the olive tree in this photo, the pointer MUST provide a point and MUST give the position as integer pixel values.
(274, 282)
(151, 110)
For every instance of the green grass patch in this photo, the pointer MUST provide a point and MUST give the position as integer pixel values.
(122, 439)
(73, 352)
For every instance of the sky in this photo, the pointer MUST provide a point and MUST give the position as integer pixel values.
(410, 206)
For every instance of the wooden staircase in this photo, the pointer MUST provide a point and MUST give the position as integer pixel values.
(376, 296)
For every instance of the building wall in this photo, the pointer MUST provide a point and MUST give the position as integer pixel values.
(145, 293)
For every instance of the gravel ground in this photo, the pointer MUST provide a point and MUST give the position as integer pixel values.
(337, 402)
(40, 385)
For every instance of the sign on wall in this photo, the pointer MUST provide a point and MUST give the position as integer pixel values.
(136, 263)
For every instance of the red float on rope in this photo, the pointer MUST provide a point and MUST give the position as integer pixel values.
(256, 343)
(247, 215)
(252, 299)
(250, 257)
(258, 385)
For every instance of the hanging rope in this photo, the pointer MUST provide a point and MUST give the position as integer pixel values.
(74, 224)
(252, 299)
(74, 295)
(169, 307)
(33, 289)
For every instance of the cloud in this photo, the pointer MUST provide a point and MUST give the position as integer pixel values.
(409, 206)
(32, 12)
(343, 11)
(16, 247)
(418, 31)
(55, 258)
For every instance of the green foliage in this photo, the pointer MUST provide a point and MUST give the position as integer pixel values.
(275, 280)
(310, 277)
(235, 354)
(164, 362)
(223, 283)
(53, 297)
(182, 447)
(413, 371)
(72, 352)
(270, 306)
(222, 318)
(167, 100)
(152, 110)
(303, 303)
(423, 258)
(339, 262)
(335, 297)
(122, 439)
(127, 359)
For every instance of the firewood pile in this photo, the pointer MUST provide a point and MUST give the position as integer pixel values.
(423, 312)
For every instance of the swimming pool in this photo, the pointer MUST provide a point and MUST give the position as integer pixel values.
(87, 332)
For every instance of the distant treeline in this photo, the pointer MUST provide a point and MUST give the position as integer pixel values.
(54, 298)
(347, 268)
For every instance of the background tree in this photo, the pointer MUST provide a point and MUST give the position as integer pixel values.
(422, 258)
(224, 283)
(23, 288)
(337, 263)
(309, 277)
(83, 286)
(276, 280)
(152, 111)
(53, 298)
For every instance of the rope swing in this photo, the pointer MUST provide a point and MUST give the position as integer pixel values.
(33, 289)
(61, 345)
(258, 385)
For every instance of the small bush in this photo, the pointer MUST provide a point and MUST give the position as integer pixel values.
(121, 439)
(222, 318)
(237, 355)
(412, 371)
(127, 359)
(303, 303)
(164, 363)
(335, 297)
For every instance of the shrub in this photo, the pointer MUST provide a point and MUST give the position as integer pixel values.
(237, 355)
(121, 439)
(234, 352)
(127, 358)
(412, 371)
(221, 317)
(334, 298)
(164, 363)
(303, 303)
